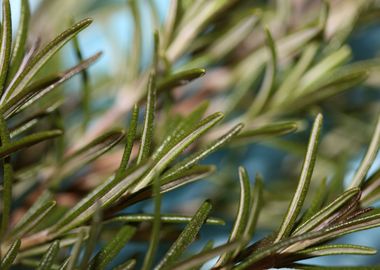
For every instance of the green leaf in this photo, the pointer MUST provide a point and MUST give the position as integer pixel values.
(338, 249)
(255, 206)
(177, 149)
(170, 22)
(287, 86)
(184, 177)
(322, 215)
(242, 215)
(317, 201)
(35, 91)
(147, 134)
(185, 238)
(129, 265)
(75, 252)
(48, 259)
(179, 79)
(10, 256)
(267, 86)
(195, 21)
(131, 135)
(95, 229)
(270, 130)
(156, 41)
(7, 150)
(193, 159)
(164, 218)
(275, 248)
(231, 39)
(304, 181)
(155, 233)
(371, 189)
(104, 195)
(205, 256)
(7, 179)
(29, 249)
(86, 94)
(19, 46)
(287, 45)
(6, 44)
(368, 159)
(357, 224)
(317, 74)
(183, 127)
(207, 247)
(33, 217)
(39, 60)
(134, 62)
(27, 123)
(168, 184)
(90, 152)
(339, 84)
(33, 264)
(108, 253)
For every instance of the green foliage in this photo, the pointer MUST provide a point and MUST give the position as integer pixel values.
(67, 186)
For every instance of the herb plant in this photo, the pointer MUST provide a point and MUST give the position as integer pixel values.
(61, 210)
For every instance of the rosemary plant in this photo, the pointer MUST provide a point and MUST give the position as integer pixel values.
(71, 183)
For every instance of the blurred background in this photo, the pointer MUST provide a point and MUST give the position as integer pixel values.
(230, 49)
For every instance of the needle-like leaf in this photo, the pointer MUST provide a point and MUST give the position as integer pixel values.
(7, 178)
(10, 256)
(255, 207)
(76, 251)
(90, 152)
(147, 135)
(196, 157)
(241, 218)
(338, 249)
(164, 218)
(33, 218)
(27, 124)
(6, 44)
(136, 50)
(131, 134)
(205, 256)
(49, 258)
(358, 224)
(168, 184)
(35, 91)
(179, 79)
(184, 126)
(276, 129)
(37, 62)
(270, 76)
(6, 150)
(274, 248)
(186, 237)
(317, 201)
(107, 254)
(19, 46)
(327, 211)
(368, 159)
(370, 189)
(86, 98)
(155, 234)
(102, 196)
(177, 149)
(92, 240)
(303, 184)
(129, 265)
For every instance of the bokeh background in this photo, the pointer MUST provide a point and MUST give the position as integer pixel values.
(349, 117)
